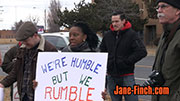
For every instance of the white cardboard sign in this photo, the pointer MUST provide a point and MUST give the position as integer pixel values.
(70, 76)
(1, 94)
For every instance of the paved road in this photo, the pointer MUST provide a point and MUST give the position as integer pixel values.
(142, 71)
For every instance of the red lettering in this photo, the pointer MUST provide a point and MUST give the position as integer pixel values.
(89, 94)
(55, 93)
(16, 95)
(62, 89)
(48, 90)
(80, 94)
(71, 92)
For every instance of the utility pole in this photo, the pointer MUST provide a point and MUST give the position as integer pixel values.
(44, 20)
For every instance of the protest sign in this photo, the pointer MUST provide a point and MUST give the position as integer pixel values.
(15, 96)
(1, 94)
(70, 76)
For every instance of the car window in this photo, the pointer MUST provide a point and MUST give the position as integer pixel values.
(67, 37)
(58, 42)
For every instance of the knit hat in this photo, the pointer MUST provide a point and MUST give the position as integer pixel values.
(174, 3)
(25, 31)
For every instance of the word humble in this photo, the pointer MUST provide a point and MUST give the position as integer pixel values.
(85, 64)
(71, 93)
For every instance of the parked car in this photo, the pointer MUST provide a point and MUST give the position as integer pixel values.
(58, 39)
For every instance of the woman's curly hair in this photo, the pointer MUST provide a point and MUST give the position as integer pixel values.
(92, 38)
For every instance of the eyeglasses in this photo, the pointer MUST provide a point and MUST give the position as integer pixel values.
(161, 6)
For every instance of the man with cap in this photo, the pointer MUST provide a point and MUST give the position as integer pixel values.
(167, 61)
(25, 66)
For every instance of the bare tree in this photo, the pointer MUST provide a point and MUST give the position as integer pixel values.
(52, 16)
(150, 5)
(98, 14)
(129, 7)
(17, 25)
(34, 19)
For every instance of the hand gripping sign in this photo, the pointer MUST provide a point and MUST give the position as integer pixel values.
(70, 76)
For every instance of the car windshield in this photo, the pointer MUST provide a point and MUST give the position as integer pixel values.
(58, 42)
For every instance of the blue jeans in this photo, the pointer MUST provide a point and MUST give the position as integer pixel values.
(125, 81)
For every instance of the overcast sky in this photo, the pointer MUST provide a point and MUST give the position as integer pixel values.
(15, 10)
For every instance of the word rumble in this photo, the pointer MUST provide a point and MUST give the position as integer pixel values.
(71, 93)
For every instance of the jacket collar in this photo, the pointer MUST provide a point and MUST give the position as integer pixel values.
(168, 27)
(40, 46)
(41, 43)
(127, 25)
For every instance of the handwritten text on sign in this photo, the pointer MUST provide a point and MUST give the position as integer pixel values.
(70, 76)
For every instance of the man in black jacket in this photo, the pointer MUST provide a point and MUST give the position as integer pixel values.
(124, 49)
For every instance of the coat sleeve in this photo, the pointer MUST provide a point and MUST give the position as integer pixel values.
(12, 76)
(139, 50)
(9, 59)
(103, 46)
(10, 79)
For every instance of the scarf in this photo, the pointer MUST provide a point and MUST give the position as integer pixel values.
(83, 47)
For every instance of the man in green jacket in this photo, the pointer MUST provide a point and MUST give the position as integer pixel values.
(167, 60)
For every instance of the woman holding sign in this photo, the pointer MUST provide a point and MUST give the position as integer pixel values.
(82, 39)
